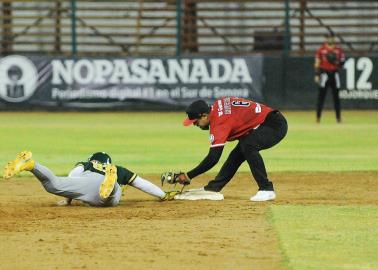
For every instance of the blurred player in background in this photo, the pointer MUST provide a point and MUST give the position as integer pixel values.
(96, 182)
(329, 59)
(254, 125)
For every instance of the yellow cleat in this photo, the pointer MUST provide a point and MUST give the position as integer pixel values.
(109, 181)
(170, 195)
(23, 162)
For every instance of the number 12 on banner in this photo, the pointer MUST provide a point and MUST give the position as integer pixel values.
(363, 64)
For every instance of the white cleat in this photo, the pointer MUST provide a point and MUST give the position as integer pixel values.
(263, 195)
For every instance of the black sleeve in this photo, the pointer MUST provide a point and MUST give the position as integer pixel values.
(208, 162)
(125, 176)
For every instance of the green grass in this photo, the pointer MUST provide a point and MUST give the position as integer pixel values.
(312, 237)
(155, 142)
(350, 146)
(327, 237)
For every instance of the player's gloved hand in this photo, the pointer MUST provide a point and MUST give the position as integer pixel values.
(317, 79)
(174, 178)
(170, 195)
(169, 177)
(183, 179)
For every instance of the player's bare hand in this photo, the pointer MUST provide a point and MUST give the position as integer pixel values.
(317, 79)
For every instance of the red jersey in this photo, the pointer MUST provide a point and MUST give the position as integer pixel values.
(330, 59)
(232, 117)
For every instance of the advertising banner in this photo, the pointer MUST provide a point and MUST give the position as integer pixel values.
(360, 79)
(92, 83)
(358, 83)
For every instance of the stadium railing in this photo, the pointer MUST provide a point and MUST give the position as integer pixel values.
(184, 27)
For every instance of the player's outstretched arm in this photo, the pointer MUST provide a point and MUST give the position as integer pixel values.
(148, 187)
(207, 163)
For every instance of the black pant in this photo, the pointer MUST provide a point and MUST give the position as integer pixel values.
(268, 134)
(330, 82)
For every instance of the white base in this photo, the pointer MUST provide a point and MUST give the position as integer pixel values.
(200, 194)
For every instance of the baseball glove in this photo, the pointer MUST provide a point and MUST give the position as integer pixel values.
(169, 177)
(174, 178)
(331, 57)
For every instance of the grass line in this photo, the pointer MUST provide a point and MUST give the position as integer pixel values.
(285, 258)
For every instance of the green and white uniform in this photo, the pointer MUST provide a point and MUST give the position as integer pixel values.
(84, 181)
(80, 184)
(124, 176)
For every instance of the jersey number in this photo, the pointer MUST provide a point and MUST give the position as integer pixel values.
(247, 104)
(241, 103)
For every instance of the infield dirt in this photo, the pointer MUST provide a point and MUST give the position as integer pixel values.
(143, 233)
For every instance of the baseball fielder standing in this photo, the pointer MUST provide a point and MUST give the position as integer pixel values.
(96, 182)
(329, 59)
(254, 125)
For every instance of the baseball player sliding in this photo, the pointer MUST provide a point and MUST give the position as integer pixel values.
(254, 125)
(96, 182)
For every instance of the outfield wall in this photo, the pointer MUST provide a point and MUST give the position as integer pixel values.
(289, 83)
(60, 83)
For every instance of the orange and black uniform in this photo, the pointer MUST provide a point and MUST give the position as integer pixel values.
(329, 60)
(254, 125)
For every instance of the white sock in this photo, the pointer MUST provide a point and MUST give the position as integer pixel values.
(148, 187)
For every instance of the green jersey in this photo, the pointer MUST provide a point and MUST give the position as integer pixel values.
(124, 176)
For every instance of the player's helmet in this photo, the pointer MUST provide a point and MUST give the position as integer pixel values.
(100, 157)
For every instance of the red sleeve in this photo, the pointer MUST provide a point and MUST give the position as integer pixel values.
(219, 135)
